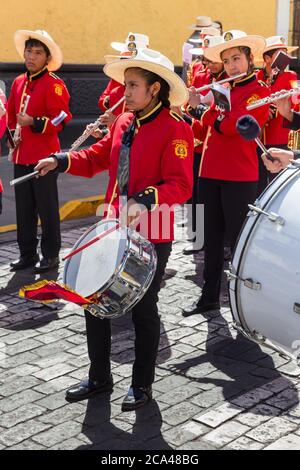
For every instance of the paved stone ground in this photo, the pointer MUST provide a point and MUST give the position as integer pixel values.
(213, 389)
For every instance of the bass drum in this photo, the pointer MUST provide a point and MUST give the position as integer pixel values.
(116, 270)
(264, 278)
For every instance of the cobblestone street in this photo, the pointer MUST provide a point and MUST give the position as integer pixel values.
(214, 389)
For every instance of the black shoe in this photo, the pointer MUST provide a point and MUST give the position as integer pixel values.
(200, 308)
(87, 388)
(191, 250)
(24, 262)
(46, 264)
(136, 397)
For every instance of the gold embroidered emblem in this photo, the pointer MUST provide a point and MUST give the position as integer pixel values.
(58, 89)
(181, 148)
(228, 36)
(253, 98)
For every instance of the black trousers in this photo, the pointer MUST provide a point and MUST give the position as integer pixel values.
(194, 200)
(147, 332)
(265, 177)
(225, 210)
(35, 198)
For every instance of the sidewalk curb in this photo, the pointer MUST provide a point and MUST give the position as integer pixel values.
(75, 209)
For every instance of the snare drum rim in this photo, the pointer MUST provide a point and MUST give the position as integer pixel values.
(239, 310)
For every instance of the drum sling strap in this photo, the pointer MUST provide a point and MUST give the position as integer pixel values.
(123, 165)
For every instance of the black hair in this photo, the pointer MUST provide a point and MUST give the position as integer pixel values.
(151, 78)
(36, 43)
(272, 52)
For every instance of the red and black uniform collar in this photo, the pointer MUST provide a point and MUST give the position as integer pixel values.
(149, 116)
(36, 75)
(244, 81)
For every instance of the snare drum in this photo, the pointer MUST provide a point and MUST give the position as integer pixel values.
(264, 277)
(116, 270)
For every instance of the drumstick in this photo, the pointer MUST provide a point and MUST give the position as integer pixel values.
(22, 179)
(92, 241)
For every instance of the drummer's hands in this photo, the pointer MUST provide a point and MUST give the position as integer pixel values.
(46, 165)
(283, 158)
(130, 213)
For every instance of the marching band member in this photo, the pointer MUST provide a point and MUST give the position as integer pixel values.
(275, 133)
(214, 71)
(202, 22)
(229, 167)
(47, 114)
(114, 90)
(149, 156)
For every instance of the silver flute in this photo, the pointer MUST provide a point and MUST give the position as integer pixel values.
(86, 134)
(273, 98)
(226, 80)
(17, 133)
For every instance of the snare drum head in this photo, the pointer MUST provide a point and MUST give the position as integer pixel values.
(92, 268)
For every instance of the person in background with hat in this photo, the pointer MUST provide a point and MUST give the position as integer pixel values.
(196, 51)
(152, 172)
(229, 167)
(214, 71)
(46, 115)
(114, 90)
(275, 133)
(202, 22)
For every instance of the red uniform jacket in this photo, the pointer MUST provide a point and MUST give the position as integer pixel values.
(275, 133)
(226, 155)
(48, 97)
(111, 95)
(3, 122)
(161, 158)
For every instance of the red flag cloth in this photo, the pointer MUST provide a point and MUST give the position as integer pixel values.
(48, 291)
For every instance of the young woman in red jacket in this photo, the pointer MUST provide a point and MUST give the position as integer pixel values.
(160, 173)
(229, 166)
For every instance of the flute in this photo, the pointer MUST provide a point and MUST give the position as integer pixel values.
(273, 98)
(17, 133)
(86, 134)
(229, 79)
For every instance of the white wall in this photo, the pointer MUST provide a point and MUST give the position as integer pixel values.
(283, 18)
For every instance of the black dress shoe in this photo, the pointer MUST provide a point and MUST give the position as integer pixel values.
(46, 264)
(200, 308)
(24, 262)
(136, 397)
(191, 250)
(87, 388)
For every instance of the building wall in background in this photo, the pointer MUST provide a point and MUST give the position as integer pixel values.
(85, 28)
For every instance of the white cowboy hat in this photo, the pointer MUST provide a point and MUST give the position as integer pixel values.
(22, 35)
(208, 41)
(155, 62)
(211, 41)
(236, 38)
(203, 22)
(141, 39)
(129, 47)
(196, 51)
(278, 42)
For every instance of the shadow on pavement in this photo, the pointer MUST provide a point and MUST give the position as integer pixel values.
(143, 433)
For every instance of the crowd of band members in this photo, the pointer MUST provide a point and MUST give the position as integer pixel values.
(225, 167)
